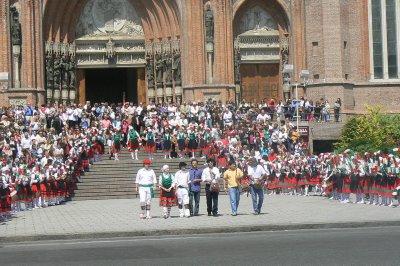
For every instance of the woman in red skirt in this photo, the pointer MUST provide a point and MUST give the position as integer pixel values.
(5, 199)
(167, 191)
(35, 188)
(150, 143)
(133, 143)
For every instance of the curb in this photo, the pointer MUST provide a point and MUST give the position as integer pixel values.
(199, 231)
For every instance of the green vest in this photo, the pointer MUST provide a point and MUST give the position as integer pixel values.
(166, 181)
(117, 138)
(133, 135)
(167, 137)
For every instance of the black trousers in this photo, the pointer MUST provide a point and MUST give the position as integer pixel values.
(212, 201)
(194, 202)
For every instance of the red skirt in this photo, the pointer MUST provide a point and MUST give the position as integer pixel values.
(346, 185)
(43, 189)
(133, 145)
(314, 181)
(206, 149)
(35, 188)
(273, 184)
(292, 182)
(151, 147)
(116, 148)
(222, 162)
(168, 199)
(5, 201)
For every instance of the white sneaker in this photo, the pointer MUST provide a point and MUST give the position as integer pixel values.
(148, 217)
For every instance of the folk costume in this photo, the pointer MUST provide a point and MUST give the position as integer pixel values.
(181, 181)
(133, 143)
(181, 139)
(193, 144)
(167, 196)
(117, 139)
(166, 144)
(150, 143)
(145, 181)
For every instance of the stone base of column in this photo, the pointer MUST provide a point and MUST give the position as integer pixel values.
(22, 96)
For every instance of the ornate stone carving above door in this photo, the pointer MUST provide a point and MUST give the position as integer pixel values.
(109, 17)
(257, 19)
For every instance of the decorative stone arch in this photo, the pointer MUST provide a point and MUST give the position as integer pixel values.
(261, 33)
(281, 6)
(135, 30)
(158, 21)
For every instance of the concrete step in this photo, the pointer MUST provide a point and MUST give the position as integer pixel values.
(104, 197)
(109, 179)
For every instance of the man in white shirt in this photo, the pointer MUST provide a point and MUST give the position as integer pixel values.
(181, 183)
(26, 142)
(227, 117)
(257, 174)
(210, 177)
(146, 181)
(263, 117)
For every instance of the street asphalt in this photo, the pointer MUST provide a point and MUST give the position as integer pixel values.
(119, 218)
(357, 246)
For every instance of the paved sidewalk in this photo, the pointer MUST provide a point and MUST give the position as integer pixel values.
(116, 218)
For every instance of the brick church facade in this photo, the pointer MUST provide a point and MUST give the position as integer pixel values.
(194, 50)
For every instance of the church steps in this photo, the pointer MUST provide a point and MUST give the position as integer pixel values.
(109, 179)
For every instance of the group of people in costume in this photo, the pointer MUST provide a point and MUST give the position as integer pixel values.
(45, 151)
(370, 178)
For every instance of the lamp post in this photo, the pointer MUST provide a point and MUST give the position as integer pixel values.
(304, 75)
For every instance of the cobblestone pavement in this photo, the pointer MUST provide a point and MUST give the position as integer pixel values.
(119, 216)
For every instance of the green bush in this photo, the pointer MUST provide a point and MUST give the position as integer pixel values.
(371, 132)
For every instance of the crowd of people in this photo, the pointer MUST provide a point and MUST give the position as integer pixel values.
(46, 150)
(347, 178)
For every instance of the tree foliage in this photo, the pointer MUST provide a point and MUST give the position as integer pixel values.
(370, 132)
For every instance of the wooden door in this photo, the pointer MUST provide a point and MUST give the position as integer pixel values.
(260, 82)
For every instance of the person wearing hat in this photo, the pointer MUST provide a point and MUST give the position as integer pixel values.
(145, 182)
(181, 183)
(167, 195)
(232, 178)
(210, 176)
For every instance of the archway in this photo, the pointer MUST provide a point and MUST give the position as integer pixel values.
(261, 49)
(115, 35)
(110, 51)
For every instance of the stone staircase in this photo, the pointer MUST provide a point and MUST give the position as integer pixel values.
(109, 179)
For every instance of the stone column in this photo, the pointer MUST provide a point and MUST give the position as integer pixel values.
(80, 74)
(16, 58)
(5, 42)
(141, 86)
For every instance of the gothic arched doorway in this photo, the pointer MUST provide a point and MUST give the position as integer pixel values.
(110, 48)
(110, 52)
(261, 49)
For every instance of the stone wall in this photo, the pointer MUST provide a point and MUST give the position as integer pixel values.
(328, 37)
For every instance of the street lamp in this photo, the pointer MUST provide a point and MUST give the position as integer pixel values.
(304, 76)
